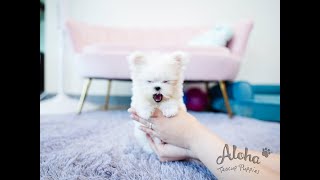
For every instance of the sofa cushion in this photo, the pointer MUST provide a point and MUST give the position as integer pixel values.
(101, 48)
(219, 35)
(203, 65)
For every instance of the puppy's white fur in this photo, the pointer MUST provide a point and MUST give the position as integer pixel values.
(152, 71)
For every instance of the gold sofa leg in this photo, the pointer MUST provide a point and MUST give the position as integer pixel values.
(207, 86)
(225, 97)
(84, 93)
(209, 95)
(106, 106)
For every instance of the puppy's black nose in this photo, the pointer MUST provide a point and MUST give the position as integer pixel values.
(157, 88)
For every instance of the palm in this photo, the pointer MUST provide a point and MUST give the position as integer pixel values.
(168, 152)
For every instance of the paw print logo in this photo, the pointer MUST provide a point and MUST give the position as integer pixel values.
(266, 152)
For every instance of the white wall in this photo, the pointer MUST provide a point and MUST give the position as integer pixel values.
(42, 24)
(260, 65)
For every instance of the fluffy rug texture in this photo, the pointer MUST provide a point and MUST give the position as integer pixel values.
(101, 145)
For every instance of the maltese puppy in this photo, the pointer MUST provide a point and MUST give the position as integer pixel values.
(157, 82)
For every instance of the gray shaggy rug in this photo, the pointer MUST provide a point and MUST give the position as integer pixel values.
(100, 145)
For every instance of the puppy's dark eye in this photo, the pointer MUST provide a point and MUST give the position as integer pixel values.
(165, 81)
(149, 81)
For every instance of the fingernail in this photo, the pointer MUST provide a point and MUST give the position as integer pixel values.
(129, 110)
(131, 116)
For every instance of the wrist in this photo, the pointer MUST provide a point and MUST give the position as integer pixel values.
(196, 134)
(191, 133)
(201, 138)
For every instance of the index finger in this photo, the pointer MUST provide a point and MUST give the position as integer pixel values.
(139, 119)
(131, 110)
(152, 144)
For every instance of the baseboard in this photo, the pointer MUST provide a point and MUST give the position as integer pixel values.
(114, 102)
(43, 95)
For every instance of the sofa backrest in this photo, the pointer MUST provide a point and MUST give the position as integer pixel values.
(83, 34)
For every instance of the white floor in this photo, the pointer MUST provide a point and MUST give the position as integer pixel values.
(62, 104)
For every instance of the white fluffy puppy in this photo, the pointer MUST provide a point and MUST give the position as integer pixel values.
(157, 82)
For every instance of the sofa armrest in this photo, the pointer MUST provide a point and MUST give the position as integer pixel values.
(242, 31)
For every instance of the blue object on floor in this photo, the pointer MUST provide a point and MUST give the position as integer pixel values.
(256, 101)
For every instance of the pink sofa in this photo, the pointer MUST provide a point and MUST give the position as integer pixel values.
(102, 52)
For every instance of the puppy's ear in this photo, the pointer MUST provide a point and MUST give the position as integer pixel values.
(181, 58)
(136, 58)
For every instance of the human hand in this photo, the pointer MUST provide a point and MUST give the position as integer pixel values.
(179, 130)
(168, 152)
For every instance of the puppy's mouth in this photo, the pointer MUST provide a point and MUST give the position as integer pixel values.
(157, 97)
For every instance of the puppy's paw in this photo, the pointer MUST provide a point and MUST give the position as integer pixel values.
(169, 111)
(145, 114)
